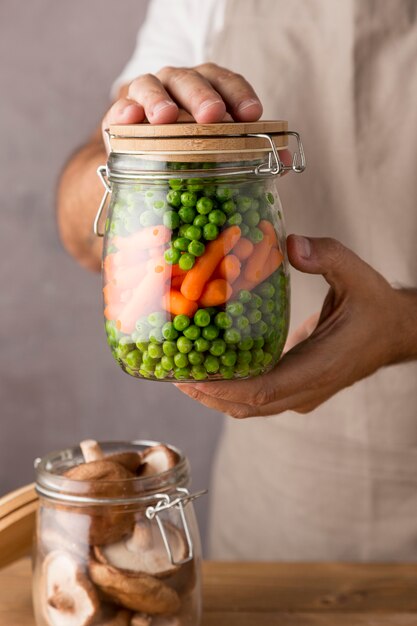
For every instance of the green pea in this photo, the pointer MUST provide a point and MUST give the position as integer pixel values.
(155, 351)
(217, 217)
(255, 301)
(174, 198)
(182, 229)
(142, 345)
(244, 356)
(145, 373)
(268, 307)
(159, 372)
(255, 371)
(212, 364)
(148, 218)
(196, 248)
(218, 347)
(242, 322)
(182, 373)
(181, 322)
(202, 318)
(195, 358)
(201, 345)
(171, 219)
(134, 359)
(187, 261)
(159, 207)
(129, 371)
(259, 328)
(167, 362)
(148, 362)
(188, 199)
(192, 332)
(267, 359)
(193, 232)
(172, 256)
(245, 344)
(244, 296)
(270, 198)
(266, 289)
(234, 308)
(223, 320)
(229, 358)
(252, 218)
(204, 205)
(211, 310)
(195, 184)
(156, 319)
(235, 220)
(184, 344)
(155, 335)
(200, 220)
(180, 359)
(227, 372)
(224, 193)
(210, 232)
(244, 230)
(187, 214)
(242, 369)
(210, 332)
(244, 203)
(232, 335)
(198, 372)
(169, 348)
(254, 316)
(258, 342)
(181, 243)
(229, 207)
(257, 355)
(255, 234)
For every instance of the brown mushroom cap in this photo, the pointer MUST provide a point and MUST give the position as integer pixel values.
(158, 459)
(145, 551)
(103, 469)
(68, 598)
(135, 591)
(132, 461)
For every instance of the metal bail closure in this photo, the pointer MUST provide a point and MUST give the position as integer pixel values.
(275, 166)
(179, 502)
(103, 175)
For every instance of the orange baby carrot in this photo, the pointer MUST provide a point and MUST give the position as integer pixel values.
(174, 302)
(176, 282)
(150, 237)
(243, 249)
(126, 277)
(197, 276)
(217, 291)
(177, 271)
(112, 310)
(228, 268)
(272, 263)
(111, 293)
(268, 229)
(255, 263)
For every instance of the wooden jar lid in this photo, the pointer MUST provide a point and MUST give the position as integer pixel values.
(189, 141)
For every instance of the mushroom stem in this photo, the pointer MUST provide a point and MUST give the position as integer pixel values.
(141, 538)
(91, 450)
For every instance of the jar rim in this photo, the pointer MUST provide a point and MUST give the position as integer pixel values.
(55, 486)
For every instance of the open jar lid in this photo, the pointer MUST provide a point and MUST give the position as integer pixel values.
(188, 141)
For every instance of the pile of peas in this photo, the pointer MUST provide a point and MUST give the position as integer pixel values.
(242, 338)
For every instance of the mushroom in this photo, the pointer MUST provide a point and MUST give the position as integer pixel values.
(144, 551)
(68, 597)
(92, 452)
(161, 620)
(158, 459)
(121, 618)
(134, 590)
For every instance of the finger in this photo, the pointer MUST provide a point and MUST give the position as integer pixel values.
(240, 97)
(158, 105)
(123, 111)
(302, 332)
(340, 266)
(194, 93)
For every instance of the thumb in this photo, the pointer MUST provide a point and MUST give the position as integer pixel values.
(313, 255)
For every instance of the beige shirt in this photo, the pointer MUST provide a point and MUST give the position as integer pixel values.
(340, 482)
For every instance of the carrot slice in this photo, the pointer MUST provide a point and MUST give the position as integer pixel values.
(228, 268)
(243, 249)
(197, 276)
(217, 291)
(150, 237)
(174, 302)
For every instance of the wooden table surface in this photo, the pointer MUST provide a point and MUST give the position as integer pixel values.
(272, 594)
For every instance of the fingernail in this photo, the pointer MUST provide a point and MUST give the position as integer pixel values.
(303, 246)
(127, 110)
(246, 104)
(161, 106)
(207, 104)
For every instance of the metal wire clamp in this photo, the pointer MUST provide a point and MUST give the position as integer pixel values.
(275, 166)
(103, 175)
(165, 502)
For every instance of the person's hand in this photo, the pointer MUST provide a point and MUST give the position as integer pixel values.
(207, 94)
(360, 329)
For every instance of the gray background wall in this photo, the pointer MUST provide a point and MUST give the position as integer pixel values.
(58, 382)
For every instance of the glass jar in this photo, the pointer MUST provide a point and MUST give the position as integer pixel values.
(113, 547)
(195, 273)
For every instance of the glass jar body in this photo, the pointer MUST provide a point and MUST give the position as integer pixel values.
(101, 559)
(196, 282)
